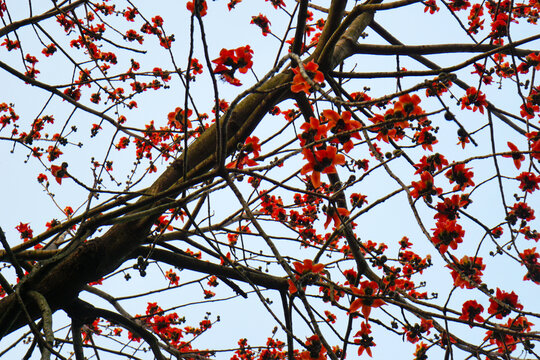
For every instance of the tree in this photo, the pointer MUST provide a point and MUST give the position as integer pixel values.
(376, 204)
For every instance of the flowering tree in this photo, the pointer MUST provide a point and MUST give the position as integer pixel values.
(351, 190)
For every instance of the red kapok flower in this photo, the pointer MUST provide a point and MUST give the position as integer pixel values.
(500, 310)
(461, 176)
(301, 84)
(315, 349)
(516, 155)
(471, 312)
(468, 267)
(59, 172)
(425, 187)
(447, 233)
(475, 98)
(201, 8)
(365, 341)
(530, 260)
(334, 214)
(339, 124)
(172, 277)
(367, 298)
(305, 268)
(528, 181)
(324, 162)
(262, 22)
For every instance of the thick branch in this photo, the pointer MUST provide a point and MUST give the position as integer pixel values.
(191, 263)
(374, 49)
(35, 19)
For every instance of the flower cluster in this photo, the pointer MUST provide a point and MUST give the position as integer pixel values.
(300, 84)
(231, 60)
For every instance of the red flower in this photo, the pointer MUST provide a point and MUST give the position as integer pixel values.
(59, 172)
(425, 187)
(262, 22)
(357, 200)
(431, 163)
(456, 5)
(334, 214)
(196, 66)
(425, 138)
(49, 50)
(500, 310)
(315, 349)
(471, 312)
(130, 14)
(365, 341)
(251, 146)
(368, 298)
(339, 124)
(528, 182)
(528, 110)
(279, 3)
(233, 3)
(305, 268)
(41, 178)
(421, 350)
(324, 162)
(431, 6)
(447, 234)
(530, 260)
(409, 104)
(177, 118)
(497, 232)
(350, 275)
(504, 342)
(201, 9)
(449, 208)
(520, 210)
(516, 155)
(475, 98)
(301, 84)
(313, 131)
(392, 124)
(471, 268)
(172, 277)
(461, 176)
(534, 137)
(414, 333)
(231, 60)
(25, 231)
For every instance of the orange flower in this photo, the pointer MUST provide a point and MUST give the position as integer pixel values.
(313, 131)
(475, 98)
(410, 104)
(304, 268)
(365, 341)
(425, 187)
(59, 172)
(334, 214)
(315, 349)
(340, 124)
(448, 233)
(307, 266)
(516, 155)
(367, 298)
(176, 118)
(301, 84)
(201, 9)
(324, 162)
